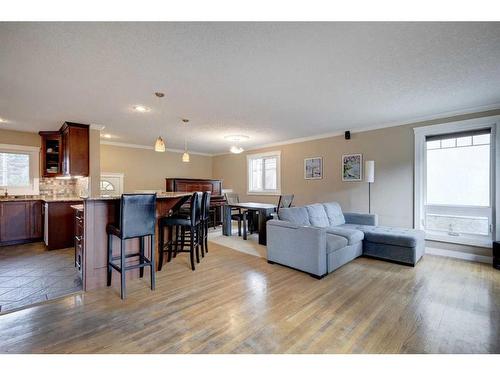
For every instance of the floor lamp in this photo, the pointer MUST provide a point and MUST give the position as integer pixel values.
(370, 178)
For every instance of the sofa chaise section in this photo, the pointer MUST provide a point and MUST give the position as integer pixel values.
(319, 238)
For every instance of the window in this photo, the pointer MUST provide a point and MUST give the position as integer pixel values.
(112, 183)
(453, 181)
(107, 186)
(19, 169)
(264, 173)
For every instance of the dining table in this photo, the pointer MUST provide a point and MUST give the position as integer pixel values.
(264, 213)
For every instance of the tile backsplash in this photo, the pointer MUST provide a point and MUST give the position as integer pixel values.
(71, 187)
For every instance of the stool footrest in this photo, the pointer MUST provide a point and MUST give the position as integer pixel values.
(145, 263)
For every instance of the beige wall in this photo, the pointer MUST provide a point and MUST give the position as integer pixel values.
(146, 169)
(12, 137)
(391, 148)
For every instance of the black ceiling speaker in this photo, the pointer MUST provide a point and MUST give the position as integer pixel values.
(347, 134)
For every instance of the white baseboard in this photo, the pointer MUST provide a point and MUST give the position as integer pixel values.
(459, 255)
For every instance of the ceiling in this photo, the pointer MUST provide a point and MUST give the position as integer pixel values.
(270, 81)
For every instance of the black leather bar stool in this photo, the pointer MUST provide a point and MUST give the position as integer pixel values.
(205, 221)
(189, 226)
(137, 220)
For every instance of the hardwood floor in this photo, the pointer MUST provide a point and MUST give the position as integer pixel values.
(237, 303)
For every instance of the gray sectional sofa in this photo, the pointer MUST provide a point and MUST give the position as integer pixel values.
(319, 238)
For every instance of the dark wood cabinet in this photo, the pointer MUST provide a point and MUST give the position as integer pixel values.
(20, 222)
(51, 154)
(79, 238)
(65, 152)
(59, 225)
(36, 225)
(214, 186)
(75, 145)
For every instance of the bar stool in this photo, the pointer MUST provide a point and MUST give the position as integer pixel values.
(190, 231)
(137, 220)
(205, 222)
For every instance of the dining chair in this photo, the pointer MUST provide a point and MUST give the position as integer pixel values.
(238, 215)
(285, 201)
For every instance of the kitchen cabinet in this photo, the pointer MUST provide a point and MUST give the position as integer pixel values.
(59, 231)
(79, 238)
(65, 152)
(20, 222)
(75, 145)
(51, 154)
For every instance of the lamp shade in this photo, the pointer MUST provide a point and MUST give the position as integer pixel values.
(370, 171)
(159, 145)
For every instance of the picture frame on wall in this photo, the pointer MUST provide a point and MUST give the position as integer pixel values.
(313, 168)
(352, 167)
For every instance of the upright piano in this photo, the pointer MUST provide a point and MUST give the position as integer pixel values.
(192, 185)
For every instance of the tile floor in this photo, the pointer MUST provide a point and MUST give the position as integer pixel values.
(30, 274)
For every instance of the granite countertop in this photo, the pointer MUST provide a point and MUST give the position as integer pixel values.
(43, 198)
(49, 199)
(162, 195)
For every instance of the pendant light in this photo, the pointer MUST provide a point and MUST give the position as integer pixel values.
(185, 155)
(160, 143)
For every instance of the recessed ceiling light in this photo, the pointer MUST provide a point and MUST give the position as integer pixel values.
(141, 108)
(236, 138)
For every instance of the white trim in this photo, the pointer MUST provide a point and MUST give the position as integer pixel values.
(112, 174)
(143, 147)
(461, 240)
(413, 121)
(34, 177)
(459, 255)
(419, 165)
(97, 127)
(250, 157)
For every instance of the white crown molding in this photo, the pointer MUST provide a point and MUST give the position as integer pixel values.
(97, 127)
(143, 147)
(416, 120)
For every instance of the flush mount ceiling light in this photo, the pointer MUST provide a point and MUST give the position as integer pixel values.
(236, 149)
(141, 108)
(108, 136)
(236, 138)
(160, 143)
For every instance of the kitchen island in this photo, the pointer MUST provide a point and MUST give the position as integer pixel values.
(100, 211)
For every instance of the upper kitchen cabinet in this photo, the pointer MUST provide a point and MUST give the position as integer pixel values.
(65, 152)
(75, 144)
(51, 153)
